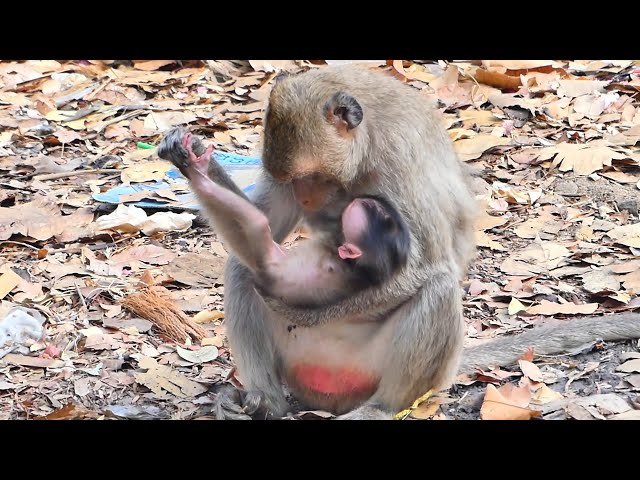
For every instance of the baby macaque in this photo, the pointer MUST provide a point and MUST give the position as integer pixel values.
(372, 245)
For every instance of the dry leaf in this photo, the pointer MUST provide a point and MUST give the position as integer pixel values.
(40, 219)
(159, 122)
(530, 370)
(498, 80)
(628, 235)
(549, 308)
(602, 280)
(196, 270)
(203, 355)
(71, 412)
(628, 415)
(516, 306)
(631, 281)
(472, 148)
(149, 65)
(621, 177)
(519, 64)
(146, 253)
(160, 378)
(532, 227)
(145, 172)
(507, 403)
(8, 281)
(36, 362)
(140, 324)
(426, 410)
(577, 88)
(629, 367)
(272, 65)
(546, 395)
(215, 341)
(583, 159)
(484, 221)
(207, 316)
(484, 240)
(82, 387)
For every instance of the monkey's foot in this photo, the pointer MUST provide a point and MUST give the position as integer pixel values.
(199, 163)
(367, 412)
(173, 148)
(232, 403)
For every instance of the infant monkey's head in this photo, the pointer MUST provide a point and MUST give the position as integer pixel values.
(376, 240)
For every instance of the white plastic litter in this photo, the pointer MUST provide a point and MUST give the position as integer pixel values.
(17, 328)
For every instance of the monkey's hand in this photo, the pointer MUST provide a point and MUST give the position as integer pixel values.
(181, 148)
(232, 403)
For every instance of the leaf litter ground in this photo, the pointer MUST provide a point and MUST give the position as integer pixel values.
(553, 148)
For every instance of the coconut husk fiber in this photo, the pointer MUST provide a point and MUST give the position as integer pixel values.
(153, 304)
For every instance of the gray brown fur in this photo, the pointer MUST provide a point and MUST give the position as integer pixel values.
(400, 151)
(562, 337)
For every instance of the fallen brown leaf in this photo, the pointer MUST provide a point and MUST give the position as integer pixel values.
(530, 370)
(630, 366)
(36, 362)
(498, 80)
(549, 308)
(150, 65)
(207, 316)
(472, 148)
(8, 281)
(160, 378)
(507, 403)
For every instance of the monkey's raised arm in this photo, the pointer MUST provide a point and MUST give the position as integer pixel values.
(243, 227)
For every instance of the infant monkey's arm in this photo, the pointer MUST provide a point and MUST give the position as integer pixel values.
(243, 227)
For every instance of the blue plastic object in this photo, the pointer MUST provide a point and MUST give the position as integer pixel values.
(231, 162)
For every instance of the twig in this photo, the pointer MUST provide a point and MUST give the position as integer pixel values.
(54, 176)
(21, 244)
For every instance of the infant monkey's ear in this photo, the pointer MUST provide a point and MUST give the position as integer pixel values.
(349, 250)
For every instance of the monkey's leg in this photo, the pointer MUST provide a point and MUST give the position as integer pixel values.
(172, 148)
(246, 316)
(425, 350)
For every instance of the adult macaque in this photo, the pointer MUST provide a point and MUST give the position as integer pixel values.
(371, 247)
(374, 353)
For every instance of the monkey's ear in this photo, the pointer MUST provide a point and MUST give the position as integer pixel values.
(344, 112)
(349, 250)
(282, 75)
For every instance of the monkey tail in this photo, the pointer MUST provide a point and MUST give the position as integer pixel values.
(551, 340)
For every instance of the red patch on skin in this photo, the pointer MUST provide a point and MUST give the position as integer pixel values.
(334, 381)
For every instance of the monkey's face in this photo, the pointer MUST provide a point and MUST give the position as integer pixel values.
(377, 231)
(315, 191)
(309, 129)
